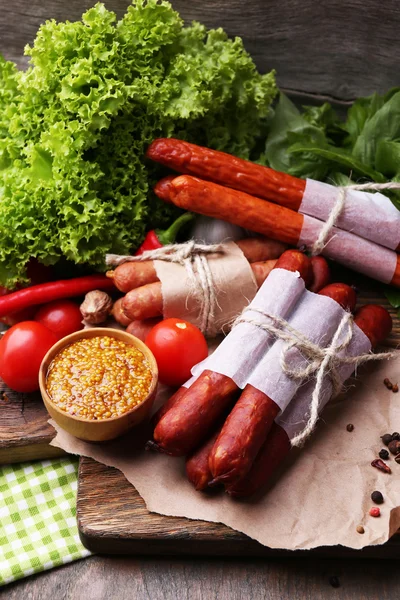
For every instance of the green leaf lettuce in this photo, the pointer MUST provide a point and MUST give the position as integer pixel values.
(75, 126)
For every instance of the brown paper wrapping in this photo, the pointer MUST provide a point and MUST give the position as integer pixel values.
(233, 281)
(317, 499)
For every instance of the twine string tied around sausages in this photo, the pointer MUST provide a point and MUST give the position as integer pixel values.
(339, 205)
(193, 257)
(320, 361)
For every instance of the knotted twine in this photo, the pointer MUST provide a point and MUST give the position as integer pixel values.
(321, 362)
(193, 257)
(338, 207)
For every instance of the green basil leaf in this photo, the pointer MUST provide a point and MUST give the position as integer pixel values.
(387, 159)
(342, 157)
(359, 113)
(289, 126)
(393, 295)
(383, 125)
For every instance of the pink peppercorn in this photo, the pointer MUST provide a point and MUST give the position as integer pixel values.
(375, 511)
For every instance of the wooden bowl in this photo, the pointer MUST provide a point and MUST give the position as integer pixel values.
(104, 429)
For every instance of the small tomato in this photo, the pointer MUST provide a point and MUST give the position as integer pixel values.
(22, 349)
(177, 346)
(61, 316)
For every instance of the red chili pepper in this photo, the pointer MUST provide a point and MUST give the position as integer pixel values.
(157, 238)
(54, 290)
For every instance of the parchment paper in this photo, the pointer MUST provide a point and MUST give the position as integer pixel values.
(233, 281)
(317, 499)
(351, 250)
(380, 220)
(240, 351)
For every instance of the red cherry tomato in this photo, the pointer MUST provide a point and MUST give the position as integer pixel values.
(22, 349)
(61, 316)
(177, 346)
(26, 314)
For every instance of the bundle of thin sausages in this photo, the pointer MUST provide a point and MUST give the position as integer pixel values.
(282, 207)
(142, 306)
(238, 437)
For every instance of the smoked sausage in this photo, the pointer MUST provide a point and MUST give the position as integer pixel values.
(228, 170)
(247, 426)
(185, 426)
(321, 273)
(197, 465)
(376, 323)
(131, 275)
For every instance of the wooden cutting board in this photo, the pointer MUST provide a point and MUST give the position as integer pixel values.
(112, 516)
(113, 519)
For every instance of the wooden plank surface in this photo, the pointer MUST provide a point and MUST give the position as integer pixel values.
(24, 431)
(357, 40)
(208, 578)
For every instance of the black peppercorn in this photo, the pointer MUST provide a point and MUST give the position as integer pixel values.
(386, 439)
(384, 454)
(377, 497)
(350, 427)
(396, 436)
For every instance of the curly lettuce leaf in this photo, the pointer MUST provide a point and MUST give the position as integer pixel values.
(73, 180)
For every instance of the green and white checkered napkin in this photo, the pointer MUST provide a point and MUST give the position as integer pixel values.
(38, 527)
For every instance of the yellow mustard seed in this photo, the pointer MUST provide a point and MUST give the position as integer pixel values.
(98, 378)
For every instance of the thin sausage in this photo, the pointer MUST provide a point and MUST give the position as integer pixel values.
(228, 170)
(144, 302)
(141, 329)
(321, 273)
(260, 248)
(239, 208)
(119, 314)
(164, 187)
(197, 465)
(131, 275)
(376, 323)
(185, 425)
(261, 270)
(247, 427)
(236, 173)
(276, 222)
(147, 301)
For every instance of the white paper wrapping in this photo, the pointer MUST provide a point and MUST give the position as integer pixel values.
(295, 417)
(318, 318)
(355, 252)
(250, 355)
(241, 350)
(233, 282)
(371, 216)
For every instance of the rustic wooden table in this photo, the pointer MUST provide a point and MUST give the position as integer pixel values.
(105, 578)
(327, 49)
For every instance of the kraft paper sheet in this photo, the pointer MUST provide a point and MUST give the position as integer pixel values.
(316, 499)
